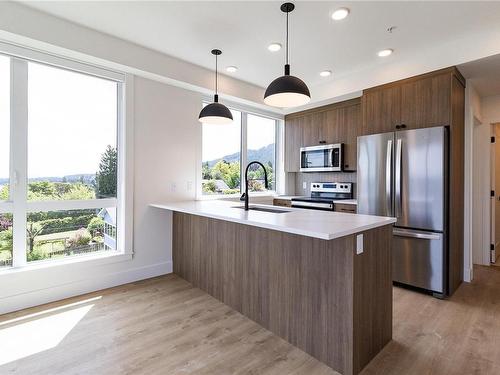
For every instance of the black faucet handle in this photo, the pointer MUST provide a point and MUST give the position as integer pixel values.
(242, 198)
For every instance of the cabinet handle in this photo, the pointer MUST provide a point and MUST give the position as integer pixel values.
(322, 142)
(398, 126)
(403, 126)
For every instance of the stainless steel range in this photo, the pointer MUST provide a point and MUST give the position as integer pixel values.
(324, 194)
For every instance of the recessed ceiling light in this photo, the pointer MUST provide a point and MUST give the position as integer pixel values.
(232, 69)
(385, 52)
(340, 14)
(274, 47)
(325, 73)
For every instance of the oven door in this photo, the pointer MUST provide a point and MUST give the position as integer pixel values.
(324, 158)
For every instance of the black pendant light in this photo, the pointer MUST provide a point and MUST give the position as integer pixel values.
(287, 91)
(215, 113)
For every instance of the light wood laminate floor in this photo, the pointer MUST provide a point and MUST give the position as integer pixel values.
(165, 326)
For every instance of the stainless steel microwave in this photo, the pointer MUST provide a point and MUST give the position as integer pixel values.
(322, 158)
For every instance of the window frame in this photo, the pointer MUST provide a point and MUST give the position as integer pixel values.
(18, 203)
(245, 111)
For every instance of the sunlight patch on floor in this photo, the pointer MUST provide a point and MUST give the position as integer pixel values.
(34, 333)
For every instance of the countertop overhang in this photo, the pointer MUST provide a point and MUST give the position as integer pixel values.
(325, 225)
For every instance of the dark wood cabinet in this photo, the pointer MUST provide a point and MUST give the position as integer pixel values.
(381, 109)
(342, 207)
(335, 123)
(418, 102)
(293, 142)
(426, 102)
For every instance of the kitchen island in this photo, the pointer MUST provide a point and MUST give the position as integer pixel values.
(320, 280)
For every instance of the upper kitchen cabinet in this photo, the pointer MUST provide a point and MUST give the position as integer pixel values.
(425, 102)
(381, 109)
(335, 123)
(418, 102)
(293, 142)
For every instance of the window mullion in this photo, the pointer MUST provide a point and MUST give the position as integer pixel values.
(19, 157)
(243, 153)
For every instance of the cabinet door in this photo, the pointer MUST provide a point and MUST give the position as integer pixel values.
(293, 142)
(340, 207)
(381, 110)
(312, 129)
(426, 102)
(351, 125)
(331, 131)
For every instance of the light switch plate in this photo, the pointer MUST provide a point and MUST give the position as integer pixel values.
(304, 185)
(359, 244)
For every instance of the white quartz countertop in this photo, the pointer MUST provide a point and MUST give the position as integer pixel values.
(326, 225)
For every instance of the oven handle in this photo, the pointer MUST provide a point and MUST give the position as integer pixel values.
(312, 205)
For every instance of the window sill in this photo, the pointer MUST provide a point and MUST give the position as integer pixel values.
(94, 260)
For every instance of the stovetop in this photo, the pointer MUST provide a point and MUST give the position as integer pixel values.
(327, 192)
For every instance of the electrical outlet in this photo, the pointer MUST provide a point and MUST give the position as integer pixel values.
(359, 244)
(189, 185)
(304, 185)
(173, 187)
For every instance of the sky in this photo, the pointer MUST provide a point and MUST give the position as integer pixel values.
(222, 140)
(72, 117)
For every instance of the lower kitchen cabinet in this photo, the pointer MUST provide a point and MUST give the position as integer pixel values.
(282, 202)
(342, 207)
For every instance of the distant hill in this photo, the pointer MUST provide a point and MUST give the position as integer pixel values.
(88, 179)
(265, 153)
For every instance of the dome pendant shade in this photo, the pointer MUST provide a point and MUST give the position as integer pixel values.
(215, 113)
(287, 91)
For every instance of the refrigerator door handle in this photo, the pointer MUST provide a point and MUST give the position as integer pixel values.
(398, 178)
(388, 178)
(422, 236)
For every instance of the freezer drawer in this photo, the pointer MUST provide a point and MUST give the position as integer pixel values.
(418, 259)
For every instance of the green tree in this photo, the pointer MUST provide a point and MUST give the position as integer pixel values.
(205, 171)
(4, 193)
(105, 179)
(96, 226)
(229, 172)
(42, 191)
(79, 191)
(32, 232)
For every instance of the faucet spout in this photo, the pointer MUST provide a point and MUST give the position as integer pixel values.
(266, 183)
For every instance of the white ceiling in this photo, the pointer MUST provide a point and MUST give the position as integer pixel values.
(189, 30)
(484, 74)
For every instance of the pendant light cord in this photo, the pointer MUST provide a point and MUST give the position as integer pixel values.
(287, 37)
(216, 87)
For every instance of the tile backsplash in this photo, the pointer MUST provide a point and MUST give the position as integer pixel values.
(300, 178)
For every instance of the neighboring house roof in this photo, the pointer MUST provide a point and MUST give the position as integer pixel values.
(109, 216)
(220, 184)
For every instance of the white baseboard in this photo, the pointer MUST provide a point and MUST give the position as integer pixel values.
(91, 284)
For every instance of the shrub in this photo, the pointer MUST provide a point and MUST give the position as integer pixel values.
(80, 238)
(96, 226)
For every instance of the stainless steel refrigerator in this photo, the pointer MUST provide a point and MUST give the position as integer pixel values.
(404, 175)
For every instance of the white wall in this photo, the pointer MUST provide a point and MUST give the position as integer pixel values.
(480, 114)
(167, 140)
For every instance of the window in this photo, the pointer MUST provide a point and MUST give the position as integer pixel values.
(227, 149)
(221, 156)
(261, 146)
(59, 159)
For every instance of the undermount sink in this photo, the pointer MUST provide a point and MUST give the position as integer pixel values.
(264, 209)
